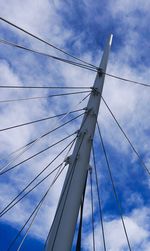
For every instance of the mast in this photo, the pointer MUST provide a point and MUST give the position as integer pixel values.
(61, 234)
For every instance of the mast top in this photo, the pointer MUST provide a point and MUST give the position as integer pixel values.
(104, 60)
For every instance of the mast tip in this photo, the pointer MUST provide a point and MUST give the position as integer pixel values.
(110, 40)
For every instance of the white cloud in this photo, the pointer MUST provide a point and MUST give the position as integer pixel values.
(129, 103)
(115, 236)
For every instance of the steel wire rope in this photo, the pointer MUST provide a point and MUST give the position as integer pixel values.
(36, 154)
(66, 188)
(27, 231)
(13, 203)
(71, 172)
(65, 158)
(79, 237)
(33, 212)
(43, 41)
(70, 176)
(92, 208)
(114, 188)
(48, 55)
(75, 87)
(99, 198)
(37, 208)
(43, 87)
(43, 97)
(127, 80)
(26, 147)
(76, 64)
(38, 120)
(127, 138)
(32, 142)
(35, 178)
(72, 63)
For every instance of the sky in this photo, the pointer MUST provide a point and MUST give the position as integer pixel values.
(81, 28)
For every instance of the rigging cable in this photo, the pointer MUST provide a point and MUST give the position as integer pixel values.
(33, 212)
(74, 63)
(99, 199)
(92, 208)
(65, 158)
(37, 208)
(27, 146)
(43, 41)
(36, 154)
(47, 55)
(114, 188)
(66, 190)
(38, 120)
(127, 138)
(27, 231)
(78, 244)
(43, 97)
(96, 69)
(127, 80)
(70, 176)
(13, 203)
(43, 87)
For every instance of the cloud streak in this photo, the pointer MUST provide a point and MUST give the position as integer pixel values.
(81, 29)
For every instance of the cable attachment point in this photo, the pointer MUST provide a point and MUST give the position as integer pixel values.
(87, 110)
(95, 91)
(100, 72)
(81, 133)
(77, 133)
(68, 160)
(90, 169)
(90, 139)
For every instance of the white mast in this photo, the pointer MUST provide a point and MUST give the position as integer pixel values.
(62, 231)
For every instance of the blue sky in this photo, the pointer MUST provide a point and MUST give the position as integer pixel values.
(81, 28)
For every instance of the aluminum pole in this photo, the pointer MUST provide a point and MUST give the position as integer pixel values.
(63, 227)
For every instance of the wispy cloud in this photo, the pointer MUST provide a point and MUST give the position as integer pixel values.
(81, 28)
